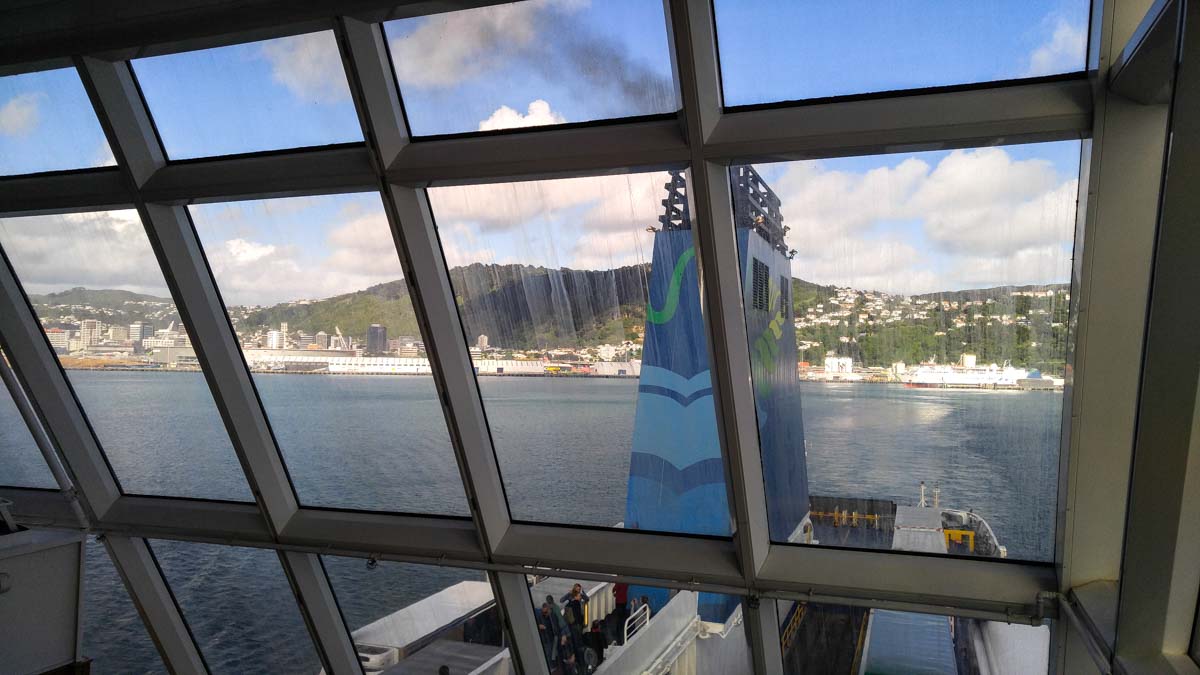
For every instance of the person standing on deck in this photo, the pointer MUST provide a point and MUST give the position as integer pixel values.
(550, 630)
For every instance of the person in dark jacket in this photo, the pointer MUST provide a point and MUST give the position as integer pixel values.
(596, 640)
(550, 630)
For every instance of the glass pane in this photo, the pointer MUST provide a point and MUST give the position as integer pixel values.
(907, 317)
(239, 607)
(635, 629)
(284, 93)
(47, 124)
(314, 287)
(581, 301)
(418, 617)
(773, 50)
(532, 63)
(95, 284)
(20, 456)
(819, 639)
(114, 636)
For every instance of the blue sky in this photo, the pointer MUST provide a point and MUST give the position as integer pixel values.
(877, 222)
(47, 124)
(774, 50)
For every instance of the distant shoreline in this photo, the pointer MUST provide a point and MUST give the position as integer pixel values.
(564, 376)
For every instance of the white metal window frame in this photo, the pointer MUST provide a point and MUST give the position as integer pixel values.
(704, 137)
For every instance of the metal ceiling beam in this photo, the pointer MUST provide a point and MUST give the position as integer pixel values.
(1159, 575)
(693, 28)
(374, 88)
(1020, 112)
(44, 381)
(1145, 67)
(616, 147)
(155, 603)
(89, 190)
(304, 171)
(42, 31)
(126, 122)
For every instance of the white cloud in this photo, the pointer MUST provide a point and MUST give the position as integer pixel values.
(274, 251)
(978, 216)
(538, 114)
(1038, 265)
(603, 202)
(241, 251)
(454, 47)
(104, 156)
(984, 201)
(309, 66)
(1063, 52)
(106, 249)
(20, 114)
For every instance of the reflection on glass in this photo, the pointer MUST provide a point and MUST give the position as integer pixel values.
(239, 607)
(96, 287)
(20, 456)
(779, 51)
(840, 639)
(284, 93)
(581, 302)
(314, 287)
(532, 63)
(907, 319)
(418, 617)
(633, 629)
(114, 636)
(47, 124)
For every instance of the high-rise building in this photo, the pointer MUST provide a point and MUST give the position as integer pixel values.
(89, 331)
(59, 339)
(376, 339)
(321, 339)
(118, 333)
(276, 340)
(140, 330)
(482, 342)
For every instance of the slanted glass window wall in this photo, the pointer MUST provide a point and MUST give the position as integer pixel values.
(774, 50)
(114, 636)
(95, 285)
(317, 296)
(532, 63)
(584, 624)
(398, 615)
(910, 357)
(580, 300)
(239, 607)
(821, 638)
(23, 463)
(47, 124)
(229, 100)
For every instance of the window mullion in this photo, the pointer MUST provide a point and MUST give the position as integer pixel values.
(693, 30)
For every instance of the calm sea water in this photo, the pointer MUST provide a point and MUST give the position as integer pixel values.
(563, 446)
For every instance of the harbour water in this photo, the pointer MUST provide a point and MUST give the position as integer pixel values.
(563, 445)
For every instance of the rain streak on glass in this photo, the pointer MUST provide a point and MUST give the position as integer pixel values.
(580, 300)
(532, 63)
(908, 319)
(97, 289)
